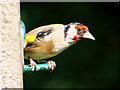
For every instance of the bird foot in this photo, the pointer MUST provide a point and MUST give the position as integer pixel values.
(51, 64)
(33, 64)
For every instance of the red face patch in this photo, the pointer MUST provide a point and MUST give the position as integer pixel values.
(76, 38)
(80, 30)
(81, 27)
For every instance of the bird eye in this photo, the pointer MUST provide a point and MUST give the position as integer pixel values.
(79, 29)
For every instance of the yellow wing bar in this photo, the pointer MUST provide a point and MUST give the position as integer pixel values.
(30, 38)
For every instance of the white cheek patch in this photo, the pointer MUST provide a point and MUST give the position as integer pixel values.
(71, 33)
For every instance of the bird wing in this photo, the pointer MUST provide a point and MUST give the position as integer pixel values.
(41, 29)
(46, 46)
(57, 35)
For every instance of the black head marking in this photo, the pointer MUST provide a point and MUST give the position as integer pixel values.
(66, 29)
(68, 26)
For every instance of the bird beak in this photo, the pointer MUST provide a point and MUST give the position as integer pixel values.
(88, 35)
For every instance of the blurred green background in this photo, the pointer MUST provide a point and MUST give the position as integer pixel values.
(86, 64)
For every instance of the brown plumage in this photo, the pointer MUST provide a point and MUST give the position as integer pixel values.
(46, 47)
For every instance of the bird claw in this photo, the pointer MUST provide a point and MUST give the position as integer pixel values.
(51, 64)
(33, 64)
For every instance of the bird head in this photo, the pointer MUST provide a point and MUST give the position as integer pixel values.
(76, 31)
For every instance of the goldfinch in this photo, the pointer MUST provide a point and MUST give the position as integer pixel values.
(48, 41)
